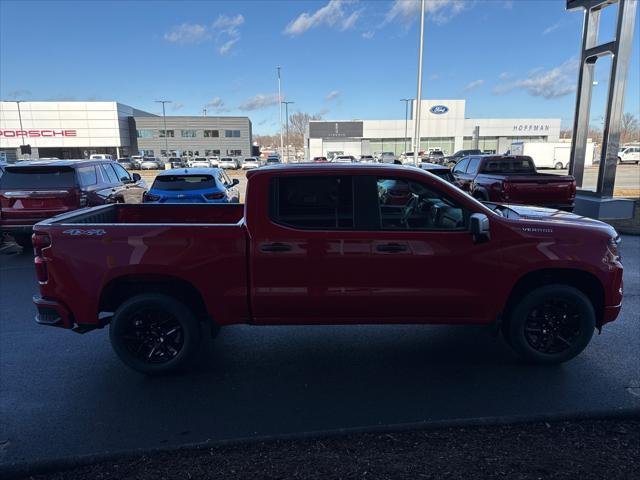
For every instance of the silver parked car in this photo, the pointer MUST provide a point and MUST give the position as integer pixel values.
(151, 163)
(229, 162)
(250, 162)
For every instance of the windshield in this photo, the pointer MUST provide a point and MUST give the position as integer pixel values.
(183, 182)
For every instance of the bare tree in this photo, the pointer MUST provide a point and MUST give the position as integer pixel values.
(297, 125)
(630, 128)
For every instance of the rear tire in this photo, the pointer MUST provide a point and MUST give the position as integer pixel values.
(154, 334)
(551, 324)
(558, 166)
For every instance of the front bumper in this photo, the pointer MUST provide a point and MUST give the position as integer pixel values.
(610, 313)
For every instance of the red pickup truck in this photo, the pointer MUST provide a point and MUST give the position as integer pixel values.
(327, 244)
(514, 179)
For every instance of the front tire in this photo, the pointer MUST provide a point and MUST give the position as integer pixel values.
(558, 166)
(551, 324)
(154, 334)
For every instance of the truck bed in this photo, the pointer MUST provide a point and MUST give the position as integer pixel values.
(151, 214)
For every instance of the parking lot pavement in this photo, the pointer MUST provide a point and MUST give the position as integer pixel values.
(64, 394)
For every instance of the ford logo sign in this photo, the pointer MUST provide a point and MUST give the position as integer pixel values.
(439, 109)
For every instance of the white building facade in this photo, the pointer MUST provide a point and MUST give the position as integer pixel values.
(66, 129)
(443, 126)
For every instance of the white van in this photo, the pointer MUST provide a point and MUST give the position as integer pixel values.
(629, 154)
(100, 156)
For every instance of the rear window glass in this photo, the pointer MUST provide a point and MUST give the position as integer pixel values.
(184, 182)
(522, 165)
(38, 177)
(321, 202)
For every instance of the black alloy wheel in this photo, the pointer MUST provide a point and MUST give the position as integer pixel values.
(553, 326)
(152, 335)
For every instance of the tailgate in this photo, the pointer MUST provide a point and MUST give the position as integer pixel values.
(541, 190)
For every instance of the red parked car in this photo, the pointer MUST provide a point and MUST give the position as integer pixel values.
(34, 190)
(514, 179)
(322, 244)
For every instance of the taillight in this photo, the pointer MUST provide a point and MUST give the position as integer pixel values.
(572, 190)
(40, 241)
(214, 196)
(150, 197)
(506, 188)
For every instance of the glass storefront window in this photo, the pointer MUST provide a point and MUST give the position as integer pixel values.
(188, 133)
(232, 133)
(161, 134)
(444, 144)
(234, 153)
(211, 133)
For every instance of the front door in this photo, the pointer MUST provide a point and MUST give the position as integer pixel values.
(363, 249)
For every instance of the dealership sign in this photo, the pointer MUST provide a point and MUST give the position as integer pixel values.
(531, 128)
(335, 129)
(37, 133)
(439, 109)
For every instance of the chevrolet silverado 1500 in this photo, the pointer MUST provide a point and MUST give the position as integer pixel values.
(327, 244)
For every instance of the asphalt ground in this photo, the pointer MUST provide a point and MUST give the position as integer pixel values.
(64, 395)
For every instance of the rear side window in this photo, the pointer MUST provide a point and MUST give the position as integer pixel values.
(509, 165)
(184, 182)
(109, 175)
(38, 177)
(318, 202)
(473, 166)
(87, 176)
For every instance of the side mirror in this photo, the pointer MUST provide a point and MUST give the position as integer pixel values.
(234, 182)
(480, 227)
(136, 177)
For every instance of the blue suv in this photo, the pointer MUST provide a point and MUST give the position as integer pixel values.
(193, 185)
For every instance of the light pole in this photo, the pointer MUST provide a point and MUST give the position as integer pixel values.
(406, 119)
(280, 102)
(21, 129)
(286, 107)
(164, 120)
(417, 113)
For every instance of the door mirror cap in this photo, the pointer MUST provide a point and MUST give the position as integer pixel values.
(136, 177)
(480, 227)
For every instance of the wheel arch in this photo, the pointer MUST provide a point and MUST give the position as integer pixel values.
(584, 281)
(120, 289)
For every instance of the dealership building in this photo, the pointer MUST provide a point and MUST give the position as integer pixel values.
(80, 129)
(443, 126)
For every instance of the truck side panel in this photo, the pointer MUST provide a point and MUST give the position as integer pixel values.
(81, 265)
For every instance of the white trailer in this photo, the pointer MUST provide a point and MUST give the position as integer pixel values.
(550, 155)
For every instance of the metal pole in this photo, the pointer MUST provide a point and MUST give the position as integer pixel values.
(21, 129)
(164, 120)
(406, 119)
(286, 107)
(280, 102)
(416, 122)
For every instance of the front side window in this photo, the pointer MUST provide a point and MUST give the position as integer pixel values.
(188, 133)
(318, 202)
(472, 169)
(165, 133)
(409, 205)
(232, 133)
(211, 133)
(122, 173)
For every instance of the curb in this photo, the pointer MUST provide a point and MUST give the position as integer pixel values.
(23, 469)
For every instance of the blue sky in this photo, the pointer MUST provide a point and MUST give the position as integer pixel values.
(343, 59)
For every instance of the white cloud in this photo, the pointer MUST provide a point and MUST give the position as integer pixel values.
(217, 104)
(368, 35)
(332, 95)
(187, 33)
(474, 84)
(175, 106)
(551, 28)
(227, 32)
(258, 102)
(556, 82)
(331, 15)
(438, 11)
(504, 76)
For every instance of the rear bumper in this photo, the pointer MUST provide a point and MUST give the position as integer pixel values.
(52, 313)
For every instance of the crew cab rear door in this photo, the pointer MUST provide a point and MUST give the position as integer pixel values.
(362, 249)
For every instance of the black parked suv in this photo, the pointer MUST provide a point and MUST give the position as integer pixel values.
(31, 191)
(451, 160)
